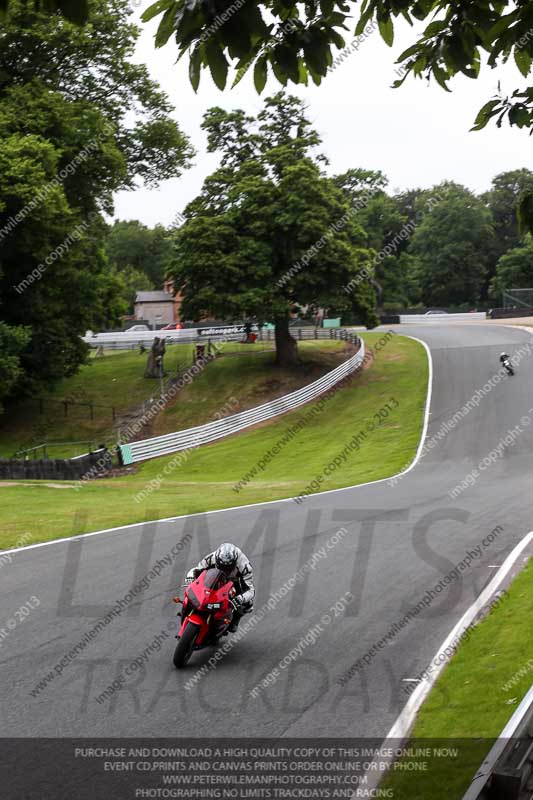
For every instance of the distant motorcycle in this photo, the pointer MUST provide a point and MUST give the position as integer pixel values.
(206, 615)
(507, 365)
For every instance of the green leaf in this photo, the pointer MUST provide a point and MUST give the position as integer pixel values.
(279, 72)
(337, 39)
(337, 20)
(386, 28)
(363, 20)
(411, 51)
(288, 60)
(400, 81)
(194, 68)
(522, 60)
(217, 64)
(242, 68)
(424, 7)
(316, 52)
(520, 116)
(500, 27)
(488, 111)
(166, 27)
(250, 16)
(441, 76)
(260, 74)
(155, 9)
(434, 28)
(302, 69)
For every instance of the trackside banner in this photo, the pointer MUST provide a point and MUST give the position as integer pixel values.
(225, 330)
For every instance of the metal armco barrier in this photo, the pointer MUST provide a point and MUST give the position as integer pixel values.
(507, 772)
(467, 317)
(204, 434)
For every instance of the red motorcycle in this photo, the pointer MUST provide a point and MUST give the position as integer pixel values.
(206, 614)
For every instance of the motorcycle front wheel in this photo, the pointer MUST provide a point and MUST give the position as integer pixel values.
(185, 646)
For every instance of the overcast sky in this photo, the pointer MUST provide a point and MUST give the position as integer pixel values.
(417, 135)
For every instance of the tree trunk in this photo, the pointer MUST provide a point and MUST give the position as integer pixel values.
(286, 345)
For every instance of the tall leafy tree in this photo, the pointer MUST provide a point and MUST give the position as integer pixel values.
(130, 244)
(270, 232)
(385, 226)
(74, 10)
(78, 121)
(359, 182)
(409, 202)
(503, 200)
(388, 234)
(514, 271)
(93, 66)
(12, 342)
(451, 247)
(129, 281)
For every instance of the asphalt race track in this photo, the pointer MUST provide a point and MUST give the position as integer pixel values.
(399, 542)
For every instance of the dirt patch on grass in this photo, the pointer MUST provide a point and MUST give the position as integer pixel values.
(37, 483)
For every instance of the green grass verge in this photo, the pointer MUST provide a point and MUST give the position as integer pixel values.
(205, 479)
(475, 696)
(245, 377)
(113, 380)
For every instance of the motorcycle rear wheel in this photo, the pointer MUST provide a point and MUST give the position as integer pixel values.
(185, 646)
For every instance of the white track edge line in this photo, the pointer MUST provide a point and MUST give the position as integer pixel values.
(401, 727)
(404, 722)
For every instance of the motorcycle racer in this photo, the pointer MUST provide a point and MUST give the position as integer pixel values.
(506, 362)
(236, 566)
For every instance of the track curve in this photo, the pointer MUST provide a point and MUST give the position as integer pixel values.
(401, 539)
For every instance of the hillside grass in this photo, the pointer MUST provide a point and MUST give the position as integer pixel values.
(243, 375)
(205, 479)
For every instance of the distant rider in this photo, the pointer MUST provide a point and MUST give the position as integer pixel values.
(504, 357)
(233, 563)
